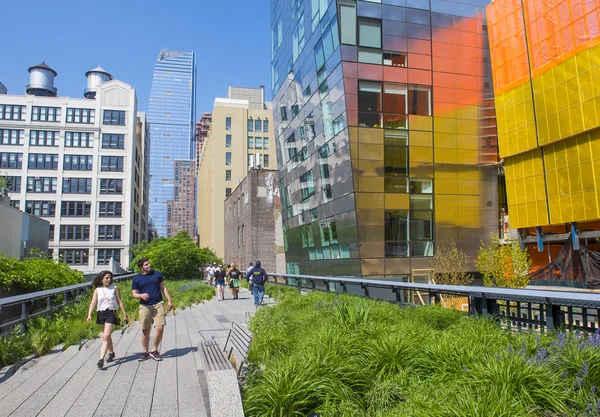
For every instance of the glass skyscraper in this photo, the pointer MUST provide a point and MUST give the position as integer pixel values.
(385, 132)
(172, 115)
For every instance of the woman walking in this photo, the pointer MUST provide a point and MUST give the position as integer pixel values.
(106, 296)
(234, 280)
(220, 283)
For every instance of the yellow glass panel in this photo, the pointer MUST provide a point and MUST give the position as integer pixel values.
(576, 119)
(542, 213)
(445, 186)
(586, 86)
(421, 154)
(445, 140)
(418, 138)
(467, 157)
(446, 202)
(562, 175)
(564, 123)
(370, 168)
(353, 134)
(371, 184)
(549, 160)
(590, 206)
(370, 217)
(577, 207)
(562, 97)
(445, 156)
(558, 72)
(420, 122)
(468, 202)
(370, 135)
(468, 187)
(470, 127)
(469, 218)
(446, 216)
(570, 68)
(574, 179)
(540, 105)
(467, 142)
(469, 112)
(548, 79)
(538, 85)
(550, 101)
(594, 138)
(583, 148)
(573, 91)
(369, 200)
(397, 201)
(370, 151)
(590, 119)
(566, 213)
(583, 61)
(445, 125)
(354, 151)
(555, 217)
(468, 174)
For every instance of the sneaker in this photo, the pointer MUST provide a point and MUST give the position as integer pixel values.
(155, 355)
(100, 364)
(144, 356)
(111, 357)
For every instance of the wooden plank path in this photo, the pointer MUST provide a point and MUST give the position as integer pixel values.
(68, 383)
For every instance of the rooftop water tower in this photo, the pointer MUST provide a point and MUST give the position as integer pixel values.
(95, 77)
(41, 81)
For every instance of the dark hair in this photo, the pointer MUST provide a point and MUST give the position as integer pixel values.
(257, 263)
(98, 280)
(251, 264)
(141, 262)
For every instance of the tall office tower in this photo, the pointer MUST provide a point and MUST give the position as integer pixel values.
(202, 127)
(172, 117)
(546, 66)
(240, 138)
(78, 163)
(383, 141)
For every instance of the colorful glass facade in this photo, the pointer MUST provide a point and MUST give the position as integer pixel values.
(385, 133)
(546, 67)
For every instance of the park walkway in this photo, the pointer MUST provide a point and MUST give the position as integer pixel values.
(68, 383)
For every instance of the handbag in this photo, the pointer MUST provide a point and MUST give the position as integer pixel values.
(118, 319)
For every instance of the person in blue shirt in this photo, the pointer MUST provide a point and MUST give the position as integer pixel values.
(258, 277)
(148, 287)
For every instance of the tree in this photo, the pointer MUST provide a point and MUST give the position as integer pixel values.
(451, 266)
(176, 257)
(504, 266)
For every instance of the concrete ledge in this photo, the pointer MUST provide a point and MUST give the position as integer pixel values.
(224, 394)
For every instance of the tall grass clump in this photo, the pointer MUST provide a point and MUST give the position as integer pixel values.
(339, 355)
(69, 327)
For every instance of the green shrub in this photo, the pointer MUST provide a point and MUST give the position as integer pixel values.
(350, 356)
(36, 273)
(177, 258)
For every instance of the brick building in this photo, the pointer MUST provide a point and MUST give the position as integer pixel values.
(253, 222)
(202, 127)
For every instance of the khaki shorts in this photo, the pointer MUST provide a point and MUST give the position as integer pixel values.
(152, 314)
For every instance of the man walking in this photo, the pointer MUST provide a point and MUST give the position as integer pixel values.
(148, 287)
(258, 277)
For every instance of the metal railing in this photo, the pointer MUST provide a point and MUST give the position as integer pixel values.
(21, 308)
(515, 308)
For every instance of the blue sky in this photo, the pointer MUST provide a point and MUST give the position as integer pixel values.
(231, 39)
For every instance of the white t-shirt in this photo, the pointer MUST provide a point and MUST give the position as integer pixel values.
(250, 268)
(107, 298)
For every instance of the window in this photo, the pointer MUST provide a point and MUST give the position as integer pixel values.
(111, 186)
(266, 161)
(227, 175)
(228, 141)
(369, 104)
(112, 141)
(15, 203)
(369, 56)
(328, 232)
(110, 209)
(41, 208)
(396, 161)
(394, 98)
(250, 125)
(266, 143)
(14, 184)
(77, 186)
(43, 161)
(112, 163)
(12, 137)
(396, 234)
(103, 256)
(348, 23)
(51, 236)
(74, 256)
(394, 59)
(228, 123)
(11, 160)
(109, 232)
(77, 163)
(45, 114)
(75, 232)
(227, 158)
(75, 209)
(307, 186)
(81, 116)
(283, 111)
(265, 126)
(227, 192)
(258, 143)
(258, 125)
(41, 184)
(43, 138)
(250, 142)
(79, 140)
(114, 117)
(369, 33)
(12, 112)
(419, 100)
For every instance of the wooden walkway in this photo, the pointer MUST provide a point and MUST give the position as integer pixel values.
(68, 383)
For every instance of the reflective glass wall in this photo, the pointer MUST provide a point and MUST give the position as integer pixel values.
(171, 114)
(385, 132)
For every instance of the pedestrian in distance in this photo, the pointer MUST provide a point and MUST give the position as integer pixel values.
(149, 287)
(259, 277)
(248, 275)
(233, 276)
(220, 283)
(106, 297)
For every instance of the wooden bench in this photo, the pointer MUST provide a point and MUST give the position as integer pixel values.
(240, 339)
(214, 357)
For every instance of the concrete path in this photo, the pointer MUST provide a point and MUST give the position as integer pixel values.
(68, 383)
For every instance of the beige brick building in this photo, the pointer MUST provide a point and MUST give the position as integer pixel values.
(240, 137)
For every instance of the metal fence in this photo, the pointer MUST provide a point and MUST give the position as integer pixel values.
(515, 308)
(20, 308)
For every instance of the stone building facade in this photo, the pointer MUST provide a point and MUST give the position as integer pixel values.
(253, 222)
